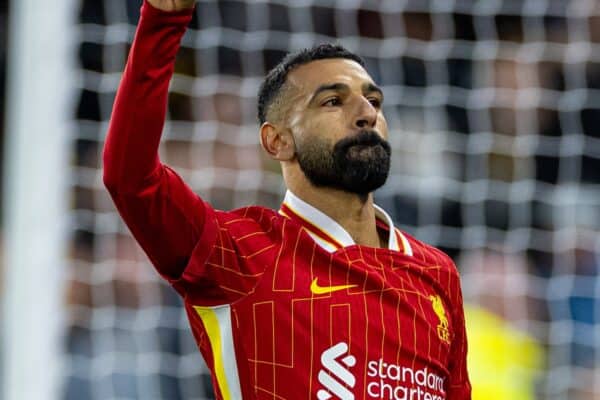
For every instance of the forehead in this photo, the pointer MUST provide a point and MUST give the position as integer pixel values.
(308, 77)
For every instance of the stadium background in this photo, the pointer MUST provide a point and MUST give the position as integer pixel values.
(494, 110)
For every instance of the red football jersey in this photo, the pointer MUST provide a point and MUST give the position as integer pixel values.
(283, 304)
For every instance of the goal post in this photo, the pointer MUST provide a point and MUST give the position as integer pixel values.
(41, 71)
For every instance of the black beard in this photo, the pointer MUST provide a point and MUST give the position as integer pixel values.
(356, 164)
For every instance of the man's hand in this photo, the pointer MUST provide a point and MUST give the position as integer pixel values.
(172, 5)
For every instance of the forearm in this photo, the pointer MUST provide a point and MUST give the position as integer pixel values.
(131, 150)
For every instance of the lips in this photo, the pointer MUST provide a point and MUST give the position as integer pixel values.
(365, 145)
(363, 150)
(364, 137)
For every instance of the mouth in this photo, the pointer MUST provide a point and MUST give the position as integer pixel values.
(364, 150)
(365, 146)
(362, 138)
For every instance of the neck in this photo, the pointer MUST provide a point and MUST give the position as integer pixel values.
(354, 212)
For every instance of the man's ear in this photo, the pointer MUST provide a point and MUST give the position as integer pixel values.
(277, 142)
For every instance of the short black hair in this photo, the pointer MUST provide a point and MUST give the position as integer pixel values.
(276, 77)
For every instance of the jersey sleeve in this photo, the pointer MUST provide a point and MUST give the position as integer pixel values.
(163, 213)
(243, 246)
(197, 249)
(459, 387)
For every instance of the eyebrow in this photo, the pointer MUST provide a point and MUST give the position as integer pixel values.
(337, 87)
(368, 87)
(371, 87)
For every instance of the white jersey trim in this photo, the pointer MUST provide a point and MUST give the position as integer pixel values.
(330, 227)
(218, 327)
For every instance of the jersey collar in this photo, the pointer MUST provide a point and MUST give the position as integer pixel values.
(328, 233)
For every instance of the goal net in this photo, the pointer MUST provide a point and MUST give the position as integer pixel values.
(494, 116)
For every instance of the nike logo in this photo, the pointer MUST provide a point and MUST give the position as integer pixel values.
(316, 289)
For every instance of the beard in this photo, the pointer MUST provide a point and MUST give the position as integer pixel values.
(357, 164)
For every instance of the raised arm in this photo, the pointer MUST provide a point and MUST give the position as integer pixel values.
(162, 212)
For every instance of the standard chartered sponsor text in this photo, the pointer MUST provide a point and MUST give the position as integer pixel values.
(396, 382)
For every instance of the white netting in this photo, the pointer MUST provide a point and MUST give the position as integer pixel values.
(494, 114)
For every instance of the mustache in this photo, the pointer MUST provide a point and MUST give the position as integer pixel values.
(362, 138)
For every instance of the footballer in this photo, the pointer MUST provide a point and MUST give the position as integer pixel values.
(323, 298)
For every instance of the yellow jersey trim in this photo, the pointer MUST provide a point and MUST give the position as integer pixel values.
(211, 325)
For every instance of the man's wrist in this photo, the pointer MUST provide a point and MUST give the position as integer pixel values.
(182, 11)
(148, 11)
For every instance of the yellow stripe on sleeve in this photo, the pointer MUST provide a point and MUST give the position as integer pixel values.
(211, 325)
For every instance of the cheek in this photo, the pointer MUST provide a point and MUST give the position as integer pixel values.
(315, 124)
(295, 122)
(323, 124)
(334, 123)
(382, 125)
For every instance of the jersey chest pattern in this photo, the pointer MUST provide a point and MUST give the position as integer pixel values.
(357, 323)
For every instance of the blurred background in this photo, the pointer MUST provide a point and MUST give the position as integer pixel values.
(494, 114)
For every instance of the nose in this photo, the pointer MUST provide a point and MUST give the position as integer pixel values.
(366, 115)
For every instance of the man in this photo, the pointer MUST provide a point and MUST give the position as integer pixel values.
(323, 299)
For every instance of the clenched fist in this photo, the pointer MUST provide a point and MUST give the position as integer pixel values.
(172, 5)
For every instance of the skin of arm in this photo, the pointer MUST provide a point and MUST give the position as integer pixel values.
(172, 5)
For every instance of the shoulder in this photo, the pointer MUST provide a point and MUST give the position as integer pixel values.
(446, 274)
(247, 220)
(430, 255)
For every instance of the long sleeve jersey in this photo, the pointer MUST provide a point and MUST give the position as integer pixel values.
(282, 303)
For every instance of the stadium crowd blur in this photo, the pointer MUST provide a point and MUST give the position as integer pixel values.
(482, 163)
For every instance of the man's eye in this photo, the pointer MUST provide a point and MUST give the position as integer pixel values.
(334, 101)
(375, 102)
